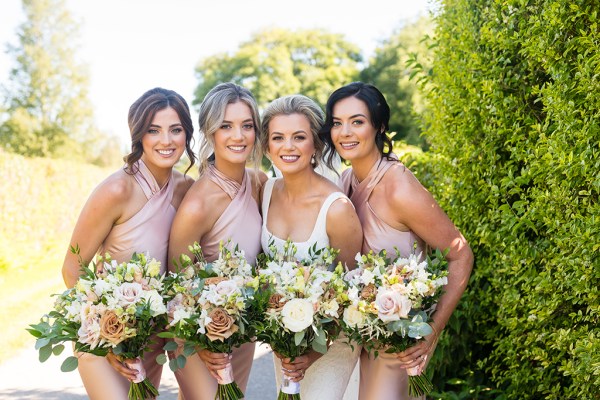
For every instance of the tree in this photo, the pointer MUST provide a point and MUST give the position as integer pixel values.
(279, 62)
(47, 107)
(390, 71)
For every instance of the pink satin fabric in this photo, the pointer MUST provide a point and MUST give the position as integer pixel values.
(240, 222)
(147, 231)
(381, 378)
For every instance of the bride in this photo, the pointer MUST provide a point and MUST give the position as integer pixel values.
(307, 208)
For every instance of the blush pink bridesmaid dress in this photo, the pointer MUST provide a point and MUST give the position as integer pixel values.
(381, 378)
(145, 232)
(240, 222)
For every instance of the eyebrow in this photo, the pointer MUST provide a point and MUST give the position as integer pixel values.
(170, 126)
(244, 121)
(352, 116)
(293, 133)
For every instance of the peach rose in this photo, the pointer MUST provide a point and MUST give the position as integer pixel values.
(221, 325)
(215, 280)
(368, 292)
(111, 328)
(276, 302)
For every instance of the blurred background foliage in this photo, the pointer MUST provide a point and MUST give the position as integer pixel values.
(495, 107)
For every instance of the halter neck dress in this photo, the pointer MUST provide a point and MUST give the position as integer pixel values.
(146, 232)
(381, 378)
(240, 222)
(328, 377)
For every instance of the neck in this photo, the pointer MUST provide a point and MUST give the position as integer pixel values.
(233, 171)
(298, 185)
(362, 166)
(161, 175)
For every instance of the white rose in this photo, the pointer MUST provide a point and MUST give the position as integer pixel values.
(353, 317)
(156, 302)
(391, 305)
(297, 314)
(128, 293)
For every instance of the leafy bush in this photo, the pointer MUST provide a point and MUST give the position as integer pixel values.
(514, 120)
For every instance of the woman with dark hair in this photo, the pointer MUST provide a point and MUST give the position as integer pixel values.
(308, 209)
(396, 212)
(132, 211)
(222, 205)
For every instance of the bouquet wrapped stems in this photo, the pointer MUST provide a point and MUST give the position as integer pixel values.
(418, 384)
(289, 389)
(141, 388)
(227, 388)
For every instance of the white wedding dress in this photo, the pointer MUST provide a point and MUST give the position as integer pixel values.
(331, 375)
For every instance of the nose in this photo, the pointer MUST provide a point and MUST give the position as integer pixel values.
(288, 144)
(165, 138)
(237, 134)
(346, 129)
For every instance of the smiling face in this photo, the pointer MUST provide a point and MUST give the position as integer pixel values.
(352, 133)
(164, 142)
(291, 143)
(234, 139)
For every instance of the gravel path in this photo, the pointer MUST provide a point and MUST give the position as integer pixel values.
(25, 378)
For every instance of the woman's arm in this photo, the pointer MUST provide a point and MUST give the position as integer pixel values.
(100, 213)
(416, 208)
(344, 231)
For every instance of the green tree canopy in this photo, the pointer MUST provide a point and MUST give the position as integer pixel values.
(279, 62)
(390, 71)
(47, 107)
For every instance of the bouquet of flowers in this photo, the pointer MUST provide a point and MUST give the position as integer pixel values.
(390, 303)
(299, 301)
(112, 308)
(207, 309)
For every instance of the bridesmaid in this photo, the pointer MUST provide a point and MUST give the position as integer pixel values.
(307, 208)
(221, 205)
(132, 211)
(395, 211)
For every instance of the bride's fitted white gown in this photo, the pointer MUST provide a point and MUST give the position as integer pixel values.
(329, 376)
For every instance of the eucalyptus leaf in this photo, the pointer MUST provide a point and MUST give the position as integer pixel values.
(45, 353)
(69, 364)
(298, 337)
(162, 359)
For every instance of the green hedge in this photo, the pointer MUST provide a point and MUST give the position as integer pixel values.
(514, 124)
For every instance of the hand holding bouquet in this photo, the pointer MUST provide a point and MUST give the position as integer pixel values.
(300, 304)
(390, 303)
(112, 308)
(207, 308)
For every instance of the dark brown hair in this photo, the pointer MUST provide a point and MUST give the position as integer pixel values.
(141, 114)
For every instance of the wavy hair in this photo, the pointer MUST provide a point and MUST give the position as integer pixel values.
(297, 104)
(212, 113)
(141, 114)
(379, 111)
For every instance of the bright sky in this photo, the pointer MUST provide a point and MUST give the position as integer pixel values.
(134, 45)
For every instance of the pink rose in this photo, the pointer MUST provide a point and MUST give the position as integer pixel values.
(391, 305)
(129, 293)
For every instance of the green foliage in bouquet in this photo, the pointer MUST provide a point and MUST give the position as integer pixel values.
(207, 307)
(100, 317)
(300, 301)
